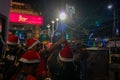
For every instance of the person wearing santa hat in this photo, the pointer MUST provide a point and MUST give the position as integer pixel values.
(30, 60)
(65, 69)
(11, 55)
(33, 44)
(13, 49)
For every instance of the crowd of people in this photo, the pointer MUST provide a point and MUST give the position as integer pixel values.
(36, 61)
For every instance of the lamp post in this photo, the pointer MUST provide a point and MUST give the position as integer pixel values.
(62, 17)
(52, 33)
(57, 19)
(115, 30)
(48, 26)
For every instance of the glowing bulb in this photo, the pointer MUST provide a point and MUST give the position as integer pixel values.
(62, 16)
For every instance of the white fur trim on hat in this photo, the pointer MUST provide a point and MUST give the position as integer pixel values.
(13, 43)
(65, 59)
(36, 42)
(29, 61)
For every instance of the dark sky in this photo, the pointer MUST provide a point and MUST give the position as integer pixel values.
(85, 9)
(87, 13)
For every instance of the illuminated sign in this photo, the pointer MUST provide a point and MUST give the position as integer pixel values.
(26, 19)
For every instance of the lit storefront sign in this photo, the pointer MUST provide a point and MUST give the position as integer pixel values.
(26, 18)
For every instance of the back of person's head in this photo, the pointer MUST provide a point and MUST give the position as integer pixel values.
(30, 57)
(13, 40)
(30, 61)
(66, 54)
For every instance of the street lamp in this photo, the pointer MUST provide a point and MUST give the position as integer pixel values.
(52, 33)
(53, 22)
(57, 19)
(62, 17)
(110, 6)
(48, 26)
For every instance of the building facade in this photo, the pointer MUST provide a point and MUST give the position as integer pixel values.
(24, 21)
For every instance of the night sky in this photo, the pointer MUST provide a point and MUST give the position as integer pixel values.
(87, 11)
(84, 8)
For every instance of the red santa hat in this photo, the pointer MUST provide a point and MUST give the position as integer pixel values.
(31, 42)
(66, 54)
(30, 57)
(13, 40)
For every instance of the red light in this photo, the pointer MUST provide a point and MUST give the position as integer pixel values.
(26, 18)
